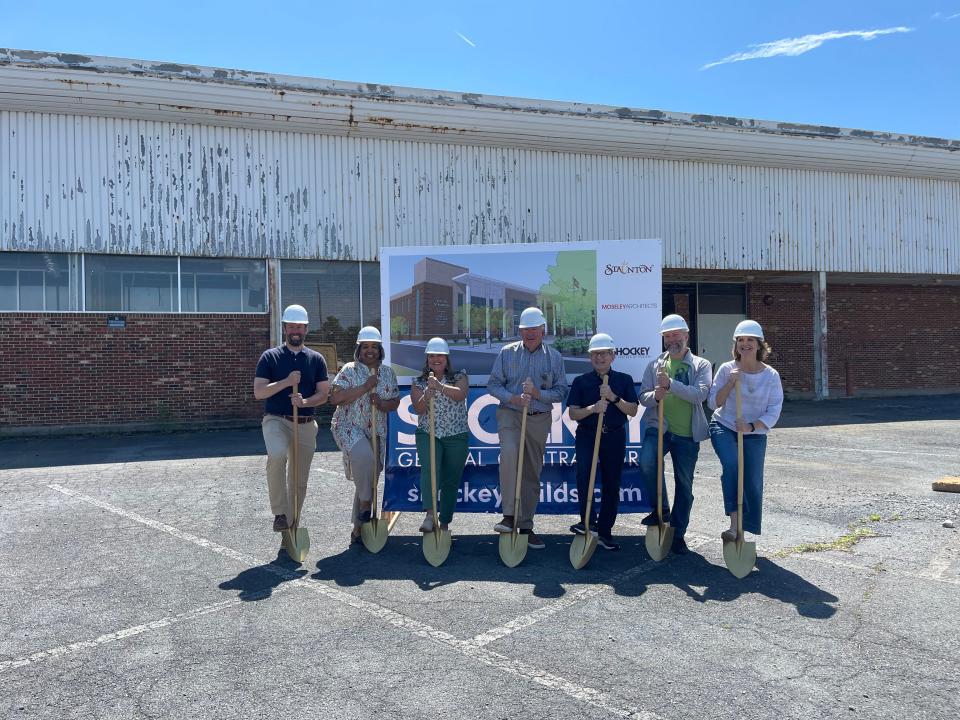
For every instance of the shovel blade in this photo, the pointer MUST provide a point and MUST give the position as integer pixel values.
(436, 546)
(374, 534)
(296, 543)
(739, 560)
(658, 540)
(513, 548)
(581, 550)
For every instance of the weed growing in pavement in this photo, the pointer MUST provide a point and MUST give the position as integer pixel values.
(856, 531)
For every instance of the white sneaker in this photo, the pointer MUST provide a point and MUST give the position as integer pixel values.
(427, 524)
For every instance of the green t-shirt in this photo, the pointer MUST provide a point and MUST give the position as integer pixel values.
(678, 413)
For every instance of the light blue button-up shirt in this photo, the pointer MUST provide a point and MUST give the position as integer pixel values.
(515, 364)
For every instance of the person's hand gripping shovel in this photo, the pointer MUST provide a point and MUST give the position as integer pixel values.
(295, 539)
(659, 537)
(374, 532)
(513, 545)
(582, 547)
(436, 543)
(739, 556)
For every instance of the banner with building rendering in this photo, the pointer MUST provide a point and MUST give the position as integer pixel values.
(473, 296)
(480, 488)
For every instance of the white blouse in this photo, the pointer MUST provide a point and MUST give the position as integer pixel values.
(761, 395)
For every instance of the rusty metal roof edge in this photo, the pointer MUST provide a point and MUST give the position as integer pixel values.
(390, 93)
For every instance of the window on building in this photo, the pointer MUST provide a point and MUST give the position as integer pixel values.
(130, 283)
(39, 281)
(330, 292)
(219, 285)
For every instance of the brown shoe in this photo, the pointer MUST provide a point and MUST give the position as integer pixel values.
(280, 523)
(730, 535)
(505, 525)
(533, 540)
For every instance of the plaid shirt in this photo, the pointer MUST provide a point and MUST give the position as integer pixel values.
(515, 364)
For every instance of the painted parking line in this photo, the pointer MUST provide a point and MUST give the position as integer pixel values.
(569, 600)
(467, 648)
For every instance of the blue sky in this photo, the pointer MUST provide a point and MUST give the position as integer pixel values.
(881, 65)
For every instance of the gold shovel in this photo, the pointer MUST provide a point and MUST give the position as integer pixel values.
(582, 547)
(296, 540)
(513, 545)
(436, 543)
(660, 536)
(739, 556)
(374, 532)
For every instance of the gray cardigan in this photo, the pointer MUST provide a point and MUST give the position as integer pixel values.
(701, 373)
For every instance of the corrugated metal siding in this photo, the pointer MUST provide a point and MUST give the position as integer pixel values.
(76, 183)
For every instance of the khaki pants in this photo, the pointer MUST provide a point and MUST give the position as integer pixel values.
(508, 428)
(358, 467)
(278, 437)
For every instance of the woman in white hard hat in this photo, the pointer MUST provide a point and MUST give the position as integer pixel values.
(762, 399)
(448, 388)
(360, 385)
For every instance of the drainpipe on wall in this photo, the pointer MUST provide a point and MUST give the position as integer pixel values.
(820, 370)
(273, 298)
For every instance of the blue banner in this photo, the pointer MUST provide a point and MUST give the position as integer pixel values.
(480, 486)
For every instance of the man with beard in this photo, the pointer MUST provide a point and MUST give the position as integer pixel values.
(289, 375)
(527, 377)
(681, 381)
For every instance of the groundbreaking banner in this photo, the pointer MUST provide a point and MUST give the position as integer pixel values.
(480, 488)
(473, 296)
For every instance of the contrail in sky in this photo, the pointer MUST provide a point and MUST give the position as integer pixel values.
(467, 40)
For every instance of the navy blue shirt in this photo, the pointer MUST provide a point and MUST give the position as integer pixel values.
(585, 391)
(277, 363)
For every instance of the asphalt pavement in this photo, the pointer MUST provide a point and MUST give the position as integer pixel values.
(139, 579)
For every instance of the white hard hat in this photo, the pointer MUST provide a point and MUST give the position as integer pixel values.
(295, 314)
(673, 322)
(748, 328)
(437, 346)
(532, 317)
(369, 334)
(601, 341)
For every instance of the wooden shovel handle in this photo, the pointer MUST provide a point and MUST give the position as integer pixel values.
(593, 466)
(295, 459)
(739, 465)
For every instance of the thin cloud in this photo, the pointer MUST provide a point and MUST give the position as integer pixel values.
(945, 18)
(467, 40)
(798, 46)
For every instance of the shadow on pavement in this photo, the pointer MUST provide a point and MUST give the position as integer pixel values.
(258, 583)
(475, 558)
(857, 411)
(18, 453)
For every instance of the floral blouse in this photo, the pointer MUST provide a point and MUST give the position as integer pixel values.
(351, 421)
(449, 416)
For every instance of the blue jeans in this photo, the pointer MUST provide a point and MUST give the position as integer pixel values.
(683, 452)
(724, 443)
(613, 444)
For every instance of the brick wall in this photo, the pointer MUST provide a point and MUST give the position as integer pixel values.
(893, 337)
(69, 369)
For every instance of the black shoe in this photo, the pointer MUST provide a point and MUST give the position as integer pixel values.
(652, 519)
(578, 529)
(607, 543)
(679, 545)
(533, 540)
(363, 517)
(280, 523)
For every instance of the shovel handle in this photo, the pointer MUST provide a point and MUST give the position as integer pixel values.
(433, 463)
(516, 494)
(374, 441)
(739, 465)
(660, 522)
(295, 459)
(593, 466)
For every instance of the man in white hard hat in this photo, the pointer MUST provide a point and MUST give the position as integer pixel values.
(681, 381)
(617, 402)
(287, 375)
(361, 385)
(527, 377)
